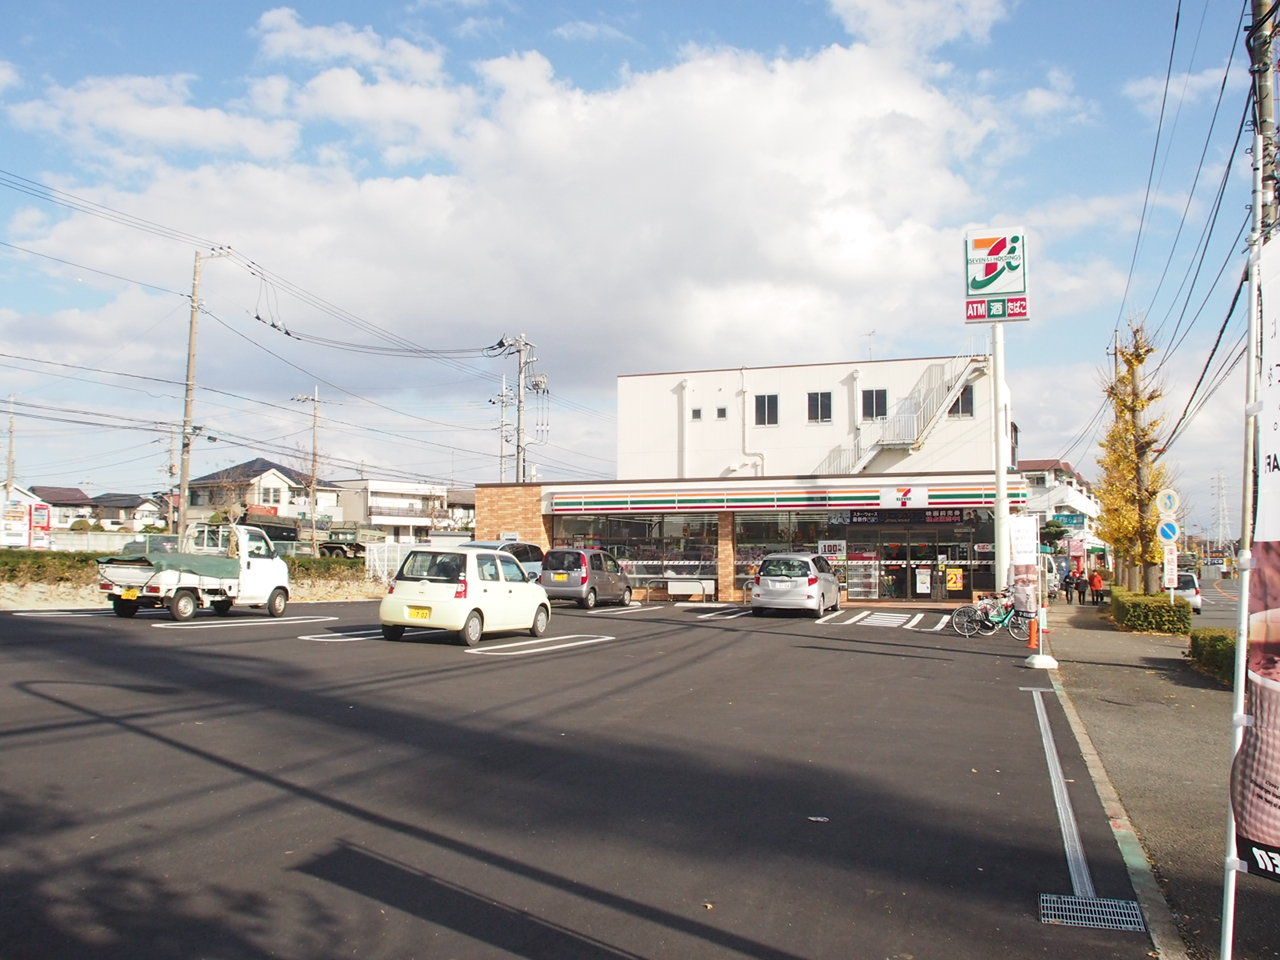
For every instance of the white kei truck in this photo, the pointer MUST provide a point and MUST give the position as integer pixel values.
(218, 565)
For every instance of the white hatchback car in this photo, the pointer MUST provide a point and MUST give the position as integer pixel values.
(1189, 587)
(472, 592)
(795, 581)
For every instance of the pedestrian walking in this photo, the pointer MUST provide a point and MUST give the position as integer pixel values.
(1068, 584)
(1095, 586)
(1082, 586)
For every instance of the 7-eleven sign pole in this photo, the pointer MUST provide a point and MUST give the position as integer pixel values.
(995, 293)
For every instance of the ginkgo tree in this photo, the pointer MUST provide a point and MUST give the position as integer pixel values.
(1130, 477)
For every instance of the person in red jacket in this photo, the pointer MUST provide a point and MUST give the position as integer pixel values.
(1095, 586)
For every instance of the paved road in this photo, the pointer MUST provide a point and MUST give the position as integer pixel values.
(663, 781)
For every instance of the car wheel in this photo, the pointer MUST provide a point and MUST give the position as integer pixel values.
(626, 598)
(221, 607)
(124, 608)
(277, 602)
(540, 620)
(589, 601)
(391, 631)
(758, 611)
(472, 629)
(183, 605)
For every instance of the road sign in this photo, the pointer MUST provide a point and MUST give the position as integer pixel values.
(1167, 502)
(1170, 566)
(1168, 531)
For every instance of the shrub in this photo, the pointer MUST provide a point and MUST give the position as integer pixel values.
(1150, 614)
(1213, 649)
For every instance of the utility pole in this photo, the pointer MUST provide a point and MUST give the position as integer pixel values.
(314, 400)
(1264, 211)
(184, 481)
(522, 348)
(8, 475)
(503, 400)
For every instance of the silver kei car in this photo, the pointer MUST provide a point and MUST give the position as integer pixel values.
(795, 581)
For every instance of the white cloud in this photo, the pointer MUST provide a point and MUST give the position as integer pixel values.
(9, 76)
(283, 37)
(122, 115)
(918, 25)
(585, 30)
(1148, 93)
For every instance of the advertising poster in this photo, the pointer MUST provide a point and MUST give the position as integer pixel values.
(1255, 774)
(1024, 557)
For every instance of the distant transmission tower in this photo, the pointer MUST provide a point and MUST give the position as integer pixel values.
(1220, 509)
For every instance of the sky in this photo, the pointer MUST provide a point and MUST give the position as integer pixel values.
(375, 196)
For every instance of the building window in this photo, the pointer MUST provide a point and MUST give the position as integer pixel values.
(722, 413)
(695, 413)
(766, 409)
(820, 408)
(270, 494)
(875, 404)
(963, 407)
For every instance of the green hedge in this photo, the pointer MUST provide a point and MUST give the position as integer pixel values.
(78, 567)
(48, 566)
(1213, 649)
(1150, 614)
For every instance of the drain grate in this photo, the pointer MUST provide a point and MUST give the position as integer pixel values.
(1097, 912)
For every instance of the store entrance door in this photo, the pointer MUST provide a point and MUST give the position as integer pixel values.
(924, 557)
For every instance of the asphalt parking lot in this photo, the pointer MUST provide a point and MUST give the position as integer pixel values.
(660, 781)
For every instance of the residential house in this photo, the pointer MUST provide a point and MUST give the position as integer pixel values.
(68, 504)
(405, 510)
(264, 486)
(1057, 491)
(129, 511)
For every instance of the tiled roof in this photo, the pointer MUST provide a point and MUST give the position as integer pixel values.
(252, 469)
(63, 496)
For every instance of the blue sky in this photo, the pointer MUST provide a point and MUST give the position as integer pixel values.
(635, 186)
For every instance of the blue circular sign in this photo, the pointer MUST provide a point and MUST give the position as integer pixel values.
(1168, 530)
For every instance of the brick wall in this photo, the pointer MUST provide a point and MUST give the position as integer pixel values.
(512, 508)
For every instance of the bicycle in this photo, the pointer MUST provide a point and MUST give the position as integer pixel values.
(989, 615)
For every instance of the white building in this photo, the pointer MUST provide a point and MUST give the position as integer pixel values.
(918, 416)
(405, 510)
(888, 467)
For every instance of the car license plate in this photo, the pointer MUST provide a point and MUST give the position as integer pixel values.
(419, 613)
(130, 594)
(560, 576)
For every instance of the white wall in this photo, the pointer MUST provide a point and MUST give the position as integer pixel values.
(658, 437)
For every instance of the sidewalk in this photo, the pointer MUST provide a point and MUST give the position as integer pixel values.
(1162, 731)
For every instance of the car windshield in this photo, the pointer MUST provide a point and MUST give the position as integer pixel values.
(784, 567)
(442, 567)
(562, 560)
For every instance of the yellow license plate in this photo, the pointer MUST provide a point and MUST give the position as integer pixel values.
(561, 576)
(419, 613)
(129, 594)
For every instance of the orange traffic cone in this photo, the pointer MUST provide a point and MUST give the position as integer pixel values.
(1033, 642)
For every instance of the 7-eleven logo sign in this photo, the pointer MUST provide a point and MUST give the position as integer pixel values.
(903, 497)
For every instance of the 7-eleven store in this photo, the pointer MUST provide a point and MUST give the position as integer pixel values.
(891, 537)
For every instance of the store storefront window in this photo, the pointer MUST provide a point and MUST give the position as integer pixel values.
(649, 546)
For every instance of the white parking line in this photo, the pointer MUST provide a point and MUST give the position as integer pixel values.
(729, 613)
(526, 647)
(224, 624)
(64, 613)
(618, 611)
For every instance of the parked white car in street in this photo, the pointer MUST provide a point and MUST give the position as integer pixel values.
(473, 592)
(1189, 587)
(795, 581)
